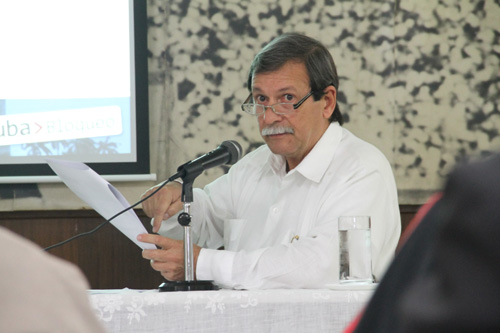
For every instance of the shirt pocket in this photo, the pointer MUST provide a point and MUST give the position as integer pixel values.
(233, 229)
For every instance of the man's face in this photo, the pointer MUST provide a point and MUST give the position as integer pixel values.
(300, 130)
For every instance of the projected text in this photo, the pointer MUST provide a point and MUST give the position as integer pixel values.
(60, 125)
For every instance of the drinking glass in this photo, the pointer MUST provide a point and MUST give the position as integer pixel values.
(355, 250)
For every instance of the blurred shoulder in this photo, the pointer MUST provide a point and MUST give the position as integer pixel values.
(481, 176)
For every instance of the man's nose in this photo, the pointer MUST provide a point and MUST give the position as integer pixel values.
(270, 116)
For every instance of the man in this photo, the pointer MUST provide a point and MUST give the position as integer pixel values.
(445, 277)
(40, 292)
(276, 210)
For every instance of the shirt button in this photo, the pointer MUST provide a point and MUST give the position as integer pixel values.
(276, 210)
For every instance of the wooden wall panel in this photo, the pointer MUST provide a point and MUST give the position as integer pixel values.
(107, 258)
(407, 213)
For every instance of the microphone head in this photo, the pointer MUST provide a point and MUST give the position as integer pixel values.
(234, 150)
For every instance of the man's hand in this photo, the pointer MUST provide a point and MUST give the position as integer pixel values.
(169, 259)
(165, 203)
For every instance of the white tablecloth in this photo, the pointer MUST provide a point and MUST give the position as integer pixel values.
(301, 310)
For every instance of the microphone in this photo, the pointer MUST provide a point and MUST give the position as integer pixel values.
(228, 152)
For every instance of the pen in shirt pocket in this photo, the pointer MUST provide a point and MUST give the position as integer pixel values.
(296, 237)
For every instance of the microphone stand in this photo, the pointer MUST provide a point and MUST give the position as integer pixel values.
(184, 219)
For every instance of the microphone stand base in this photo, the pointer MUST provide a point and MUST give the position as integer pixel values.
(187, 285)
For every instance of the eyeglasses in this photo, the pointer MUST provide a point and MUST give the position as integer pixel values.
(278, 108)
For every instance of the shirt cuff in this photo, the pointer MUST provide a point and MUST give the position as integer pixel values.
(215, 265)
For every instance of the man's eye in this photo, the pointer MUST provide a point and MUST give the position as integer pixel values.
(288, 98)
(260, 99)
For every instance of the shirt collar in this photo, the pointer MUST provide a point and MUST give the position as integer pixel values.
(277, 163)
(314, 165)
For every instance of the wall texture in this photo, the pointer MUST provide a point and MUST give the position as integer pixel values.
(418, 78)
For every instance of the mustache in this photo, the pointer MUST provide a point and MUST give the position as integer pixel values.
(274, 130)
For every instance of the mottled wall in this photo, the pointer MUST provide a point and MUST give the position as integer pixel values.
(419, 79)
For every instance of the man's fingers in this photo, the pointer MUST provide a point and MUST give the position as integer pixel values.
(174, 208)
(157, 207)
(165, 268)
(159, 216)
(169, 259)
(163, 242)
(148, 205)
(163, 204)
(156, 256)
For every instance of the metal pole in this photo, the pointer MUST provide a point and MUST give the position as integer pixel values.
(188, 247)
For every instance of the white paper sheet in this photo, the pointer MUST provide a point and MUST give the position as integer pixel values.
(100, 195)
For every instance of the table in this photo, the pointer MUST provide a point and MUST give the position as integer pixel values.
(282, 310)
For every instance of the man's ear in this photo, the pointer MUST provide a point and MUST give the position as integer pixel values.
(330, 98)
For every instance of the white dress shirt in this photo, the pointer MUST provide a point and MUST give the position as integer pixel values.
(279, 229)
